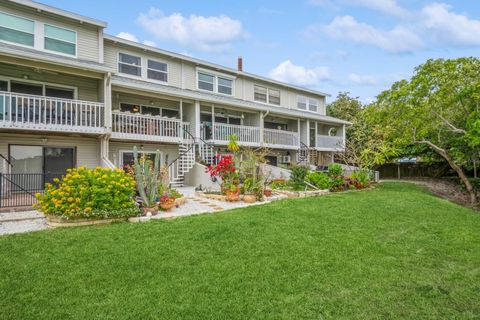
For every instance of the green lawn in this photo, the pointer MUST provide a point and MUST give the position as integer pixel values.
(394, 252)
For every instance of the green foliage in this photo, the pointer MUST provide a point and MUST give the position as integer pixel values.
(147, 177)
(90, 193)
(298, 174)
(319, 179)
(335, 170)
(362, 176)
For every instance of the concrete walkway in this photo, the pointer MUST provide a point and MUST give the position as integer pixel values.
(28, 221)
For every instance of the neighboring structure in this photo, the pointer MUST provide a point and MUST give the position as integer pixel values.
(71, 95)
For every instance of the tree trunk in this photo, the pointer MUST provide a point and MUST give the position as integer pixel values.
(454, 166)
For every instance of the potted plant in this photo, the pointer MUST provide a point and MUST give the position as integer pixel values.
(249, 191)
(232, 192)
(167, 202)
(146, 176)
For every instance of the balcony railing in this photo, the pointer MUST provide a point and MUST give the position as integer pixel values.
(280, 138)
(329, 142)
(144, 127)
(25, 111)
(245, 134)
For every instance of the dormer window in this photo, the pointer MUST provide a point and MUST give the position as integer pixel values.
(129, 64)
(17, 30)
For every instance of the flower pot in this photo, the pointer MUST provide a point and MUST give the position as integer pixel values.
(233, 196)
(166, 206)
(249, 198)
(267, 193)
(153, 210)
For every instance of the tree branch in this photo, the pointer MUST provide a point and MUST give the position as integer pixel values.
(452, 127)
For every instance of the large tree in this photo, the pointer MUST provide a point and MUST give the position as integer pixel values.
(438, 108)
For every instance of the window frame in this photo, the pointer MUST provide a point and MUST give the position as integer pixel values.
(34, 46)
(267, 94)
(216, 76)
(307, 103)
(156, 70)
(213, 81)
(44, 84)
(128, 64)
(122, 151)
(316, 105)
(57, 52)
(219, 85)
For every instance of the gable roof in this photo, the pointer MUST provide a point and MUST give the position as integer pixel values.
(43, 7)
(204, 63)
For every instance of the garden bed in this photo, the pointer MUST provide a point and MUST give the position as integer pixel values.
(59, 222)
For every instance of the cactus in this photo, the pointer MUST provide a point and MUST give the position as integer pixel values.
(147, 178)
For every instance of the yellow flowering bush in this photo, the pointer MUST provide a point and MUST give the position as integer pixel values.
(90, 193)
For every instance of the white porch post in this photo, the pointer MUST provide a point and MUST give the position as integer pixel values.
(298, 132)
(344, 135)
(308, 133)
(261, 129)
(316, 135)
(197, 119)
(213, 122)
(107, 97)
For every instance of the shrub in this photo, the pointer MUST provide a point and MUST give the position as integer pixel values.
(90, 193)
(319, 180)
(335, 170)
(362, 177)
(298, 174)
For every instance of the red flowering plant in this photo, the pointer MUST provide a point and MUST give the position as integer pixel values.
(226, 170)
(167, 199)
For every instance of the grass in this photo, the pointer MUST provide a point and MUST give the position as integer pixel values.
(394, 252)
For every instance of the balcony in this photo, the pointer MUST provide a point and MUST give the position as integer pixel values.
(280, 139)
(246, 135)
(330, 143)
(32, 112)
(134, 126)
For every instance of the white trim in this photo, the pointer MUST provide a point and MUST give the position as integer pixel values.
(122, 151)
(129, 64)
(267, 102)
(44, 85)
(33, 34)
(215, 76)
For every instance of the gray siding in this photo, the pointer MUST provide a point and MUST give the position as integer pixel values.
(87, 35)
(87, 149)
(87, 88)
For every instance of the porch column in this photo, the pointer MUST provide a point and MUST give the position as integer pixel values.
(316, 135)
(298, 132)
(261, 128)
(196, 123)
(308, 133)
(107, 97)
(213, 122)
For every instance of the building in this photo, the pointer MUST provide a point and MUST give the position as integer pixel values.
(71, 95)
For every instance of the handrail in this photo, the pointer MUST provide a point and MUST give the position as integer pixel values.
(185, 152)
(147, 116)
(52, 98)
(8, 161)
(19, 186)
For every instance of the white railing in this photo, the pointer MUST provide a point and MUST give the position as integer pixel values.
(280, 137)
(138, 126)
(51, 114)
(244, 134)
(330, 142)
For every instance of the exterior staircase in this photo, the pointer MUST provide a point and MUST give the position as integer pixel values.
(303, 155)
(185, 161)
(207, 153)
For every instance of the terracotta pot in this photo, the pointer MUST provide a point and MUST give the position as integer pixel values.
(233, 196)
(167, 205)
(153, 210)
(249, 198)
(267, 193)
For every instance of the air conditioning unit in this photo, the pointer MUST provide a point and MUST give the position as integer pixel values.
(285, 159)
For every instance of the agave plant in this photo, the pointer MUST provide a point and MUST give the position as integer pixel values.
(146, 176)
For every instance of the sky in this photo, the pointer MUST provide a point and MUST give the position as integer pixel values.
(358, 46)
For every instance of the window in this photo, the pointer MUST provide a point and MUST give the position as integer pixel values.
(170, 113)
(205, 81)
(157, 70)
(302, 102)
(60, 40)
(129, 64)
(267, 95)
(274, 96)
(232, 120)
(124, 107)
(16, 29)
(260, 94)
(26, 88)
(225, 86)
(128, 159)
(59, 92)
(152, 111)
(313, 105)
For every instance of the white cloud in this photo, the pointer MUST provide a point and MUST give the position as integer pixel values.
(447, 27)
(149, 43)
(398, 39)
(288, 72)
(127, 36)
(362, 80)
(386, 6)
(209, 34)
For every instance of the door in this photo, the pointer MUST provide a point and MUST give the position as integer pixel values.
(27, 168)
(56, 161)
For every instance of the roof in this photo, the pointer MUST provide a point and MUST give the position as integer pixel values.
(32, 54)
(60, 12)
(220, 99)
(208, 64)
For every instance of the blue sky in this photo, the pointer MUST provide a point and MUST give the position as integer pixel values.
(360, 46)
